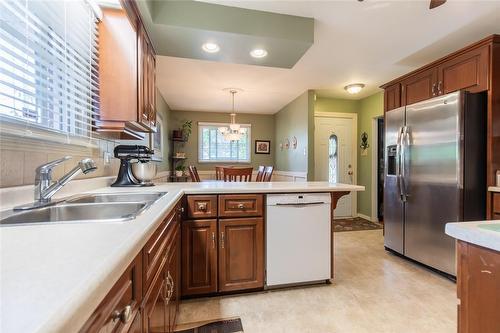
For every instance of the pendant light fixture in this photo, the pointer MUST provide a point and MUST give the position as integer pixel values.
(234, 132)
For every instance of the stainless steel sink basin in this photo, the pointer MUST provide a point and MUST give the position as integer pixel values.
(117, 197)
(96, 212)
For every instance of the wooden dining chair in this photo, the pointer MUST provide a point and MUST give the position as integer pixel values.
(238, 174)
(268, 174)
(260, 173)
(193, 172)
(219, 172)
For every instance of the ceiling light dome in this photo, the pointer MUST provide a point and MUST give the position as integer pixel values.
(210, 47)
(354, 88)
(258, 53)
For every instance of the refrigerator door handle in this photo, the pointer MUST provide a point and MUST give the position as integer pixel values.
(405, 143)
(398, 163)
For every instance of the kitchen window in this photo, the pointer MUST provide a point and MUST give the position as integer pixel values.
(49, 68)
(212, 147)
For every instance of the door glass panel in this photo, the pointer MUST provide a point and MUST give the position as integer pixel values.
(332, 158)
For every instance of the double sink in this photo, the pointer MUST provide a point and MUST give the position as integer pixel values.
(94, 207)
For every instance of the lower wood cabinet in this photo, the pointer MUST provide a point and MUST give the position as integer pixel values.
(146, 297)
(119, 310)
(241, 254)
(478, 289)
(225, 254)
(199, 257)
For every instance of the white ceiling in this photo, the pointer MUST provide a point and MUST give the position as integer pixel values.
(370, 42)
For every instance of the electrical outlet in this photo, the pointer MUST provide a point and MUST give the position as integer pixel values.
(107, 158)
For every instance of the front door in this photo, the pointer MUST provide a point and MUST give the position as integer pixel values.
(334, 156)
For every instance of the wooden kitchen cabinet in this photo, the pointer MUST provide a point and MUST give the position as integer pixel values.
(467, 71)
(419, 87)
(127, 90)
(239, 205)
(119, 310)
(199, 257)
(478, 273)
(241, 254)
(392, 97)
(201, 206)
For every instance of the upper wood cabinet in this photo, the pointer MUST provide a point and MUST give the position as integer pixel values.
(419, 87)
(392, 97)
(126, 75)
(465, 69)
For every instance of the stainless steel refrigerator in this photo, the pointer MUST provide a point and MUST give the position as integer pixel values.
(435, 172)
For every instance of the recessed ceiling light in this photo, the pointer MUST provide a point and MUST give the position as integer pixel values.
(258, 53)
(354, 88)
(210, 47)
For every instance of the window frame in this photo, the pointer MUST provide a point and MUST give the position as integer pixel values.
(201, 125)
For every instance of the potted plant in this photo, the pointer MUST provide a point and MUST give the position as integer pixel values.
(186, 129)
(179, 170)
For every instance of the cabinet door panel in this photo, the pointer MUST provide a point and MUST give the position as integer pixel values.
(199, 257)
(241, 254)
(467, 71)
(154, 306)
(392, 97)
(419, 87)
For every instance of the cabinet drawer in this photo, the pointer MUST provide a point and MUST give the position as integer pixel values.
(239, 205)
(496, 203)
(121, 305)
(201, 206)
(155, 248)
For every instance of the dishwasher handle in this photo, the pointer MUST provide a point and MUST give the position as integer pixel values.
(300, 204)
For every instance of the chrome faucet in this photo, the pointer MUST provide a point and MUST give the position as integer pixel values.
(45, 189)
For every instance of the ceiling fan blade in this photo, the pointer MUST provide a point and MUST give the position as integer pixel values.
(436, 3)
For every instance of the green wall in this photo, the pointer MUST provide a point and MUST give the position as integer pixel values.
(323, 104)
(370, 108)
(262, 129)
(367, 109)
(294, 120)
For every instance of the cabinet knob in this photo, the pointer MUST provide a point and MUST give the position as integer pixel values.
(124, 315)
(202, 206)
(241, 206)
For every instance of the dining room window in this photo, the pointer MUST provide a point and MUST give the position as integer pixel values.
(213, 147)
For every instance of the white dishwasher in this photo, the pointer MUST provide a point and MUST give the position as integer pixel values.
(298, 238)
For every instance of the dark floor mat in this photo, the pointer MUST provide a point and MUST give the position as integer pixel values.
(219, 326)
(355, 224)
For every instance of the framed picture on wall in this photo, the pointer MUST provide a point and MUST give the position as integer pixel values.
(156, 139)
(262, 146)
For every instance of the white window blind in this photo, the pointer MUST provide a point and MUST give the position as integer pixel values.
(212, 147)
(49, 65)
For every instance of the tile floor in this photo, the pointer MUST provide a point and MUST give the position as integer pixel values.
(373, 291)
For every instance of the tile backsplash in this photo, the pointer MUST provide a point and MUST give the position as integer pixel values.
(18, 164)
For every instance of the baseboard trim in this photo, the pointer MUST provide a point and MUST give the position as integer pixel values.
(366, 217)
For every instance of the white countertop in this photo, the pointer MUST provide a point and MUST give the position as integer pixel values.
(53, 276)
(470, 232)
(494, 188)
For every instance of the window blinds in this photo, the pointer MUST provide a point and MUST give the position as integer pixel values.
(212, 147)
(49, 65)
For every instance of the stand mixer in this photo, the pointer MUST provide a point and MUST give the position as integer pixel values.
(130, 155)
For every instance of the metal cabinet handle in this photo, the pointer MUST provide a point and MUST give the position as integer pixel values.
(222, 239)
(213, 240)
(168, 288)
(241, 206)
(202, 206)
(440, 83)
(124, 315)
(434, 89)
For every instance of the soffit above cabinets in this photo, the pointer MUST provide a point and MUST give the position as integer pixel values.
(180, 28)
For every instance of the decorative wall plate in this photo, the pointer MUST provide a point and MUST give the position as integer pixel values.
(294, 142)
(287, 143)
